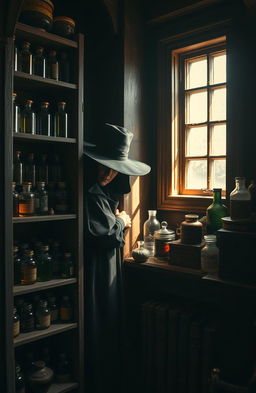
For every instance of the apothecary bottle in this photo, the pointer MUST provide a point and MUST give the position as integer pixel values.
(15, 200)
(140, 254)
(61, 121)
(16, 113)
(43, 316)
(54, 309)
(149, 227)
(215, 212)
(52, 65)
(240, 201)
(19, 380)
(25, 58)
(16, 322)
(41, 199)
(163, 238)
(67, 266)
(44, 121)
(16, 266)
(28, 268)
(39, 62)
(28, 118)
(26, 201)
(27, 318)
(209, 255)
(44, 264)
(66, 309)
(18, 169)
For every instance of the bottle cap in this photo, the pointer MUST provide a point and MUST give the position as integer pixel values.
(29, 101)
(62, 103)
(164, 233)
(45, 103)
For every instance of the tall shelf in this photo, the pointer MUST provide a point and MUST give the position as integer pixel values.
(68, 228)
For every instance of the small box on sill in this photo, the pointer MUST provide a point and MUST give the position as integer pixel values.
(186, 255)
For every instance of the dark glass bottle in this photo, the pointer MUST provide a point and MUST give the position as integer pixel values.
(66, 309)
(19, 380)
(15, 200)
(18, 169)
(28, 118)
(27, 318)
(39, 63)
(44, 264)
(26, 201)
(42, 169)
(52, 65)
(30, 169)
(28, 268)
(16, 322)
(16, 114)
(54, 309)
(215, 212)
(61, 199)
(61, 121)
(67, 266)
(43, 317)
(63, 368)
(25, 58)
(64, 67)
(41, 196)
(16, 266)
(55, 169)
(44, 121)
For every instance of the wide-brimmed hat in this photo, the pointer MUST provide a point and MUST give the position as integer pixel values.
(113, 151)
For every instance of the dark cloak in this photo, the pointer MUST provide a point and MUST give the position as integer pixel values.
(104, 302)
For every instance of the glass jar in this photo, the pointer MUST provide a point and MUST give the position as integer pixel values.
(28, 268)
(43, 315)
(26, 201)
(190, 230)
(16, 114)
(44, 121)
(215, 212)
(27, 319)
(240, 201)
(28, 118)
(163, 238)
(44, 264)
(18, 168)
(67, 266)
(15, 200)
(24, 58)
(41, 199)
(61, 121)
(140, 254)
(16, 322)
(149, 227)
(52, 65)
(39, 63)
(39, 377)
(54, 309)
(66, 309)
(209, 255)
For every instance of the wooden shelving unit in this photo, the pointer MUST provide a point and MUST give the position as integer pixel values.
(42, 286)
(35, 82)
(38, 219)
(41, 138)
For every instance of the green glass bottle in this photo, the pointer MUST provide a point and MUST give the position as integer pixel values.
(215, 212)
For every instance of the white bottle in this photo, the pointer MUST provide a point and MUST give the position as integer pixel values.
(240, 201)
(150, 226)
(210, 255)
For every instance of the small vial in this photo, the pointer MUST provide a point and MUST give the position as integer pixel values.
(43, 316)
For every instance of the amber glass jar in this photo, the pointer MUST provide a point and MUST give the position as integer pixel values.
(28, 268)
(191, 230)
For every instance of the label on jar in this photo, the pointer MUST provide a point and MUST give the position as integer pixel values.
(27, 207)
(29, 273)
(16, 328)
(65, 313)
(240, 209)
(43, 321)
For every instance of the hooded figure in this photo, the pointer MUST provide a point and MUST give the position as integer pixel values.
(107, 170)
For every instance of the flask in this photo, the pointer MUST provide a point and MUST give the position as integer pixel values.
(16, 266)
(39, 64)
(52, 65)
(64, 67)
(191, 230)
(67, 266)
(150, 226)
(28, 268)
(44, 122)
(42, 169)
(30, 169)
(16, 323)
(163, 238)
(28, 118)
(240, 201)
(27, 319)
(61, 198)
(61, 121)
(19, 380)
(44, 264)
(16, 114)
(66, 310)
(63, 368)
(43, 316)
(15, 200)
(54, 309)
(18, 169)
(215, 212)
(41, 199)
(26, 201)
(209, 255)
(140, 254)
(25, 58)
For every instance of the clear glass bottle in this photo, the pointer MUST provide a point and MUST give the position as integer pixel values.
(61, 121)
(210, 255)
(240, 201)
(41, 199)
(27, 318)
(16, 266)
(44, 264)
(28, 268)
(15, 200)
(61, 199)
(54, 309)
(26, 201)
(66, 309)
(43, 315)
(64, 67)
(18, 168)
(140, 254)
(28, 118)
(215, 212)
(30, 169)
(16, 113)
(44, 121)
(39, 62)
(150, 226)
(52, 65)
(25, 58)
(42, 169)
(67, 266)
(16, 322)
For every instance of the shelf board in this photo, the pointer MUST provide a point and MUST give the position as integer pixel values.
(21, 79)
(54, 217)
(62, 387)
(227, 283)
(41, 286)
(33, 34)
(25, 338)
(41, 138)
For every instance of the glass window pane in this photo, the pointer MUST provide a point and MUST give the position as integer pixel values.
(218, 140)
(196, 72)
(196, 141)
(218, 174)
(218, 104)
(196, 107)
(196, 174)
(218, 68)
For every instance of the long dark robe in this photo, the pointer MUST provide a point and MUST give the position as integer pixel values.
(104, 312)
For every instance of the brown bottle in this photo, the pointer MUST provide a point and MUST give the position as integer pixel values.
(28, 268)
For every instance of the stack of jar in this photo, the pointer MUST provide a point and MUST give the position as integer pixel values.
(31, 266)
(40, 313)
(46, 120)
(41, 62)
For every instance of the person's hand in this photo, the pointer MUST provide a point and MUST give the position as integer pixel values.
(125, 217)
